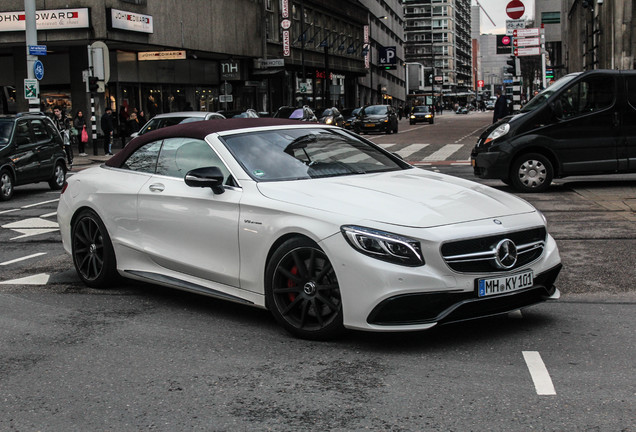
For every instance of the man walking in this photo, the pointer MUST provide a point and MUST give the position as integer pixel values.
(501, 107)
(107, 129)
(63, 125)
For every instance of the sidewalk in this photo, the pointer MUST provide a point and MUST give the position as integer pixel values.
(83, 162)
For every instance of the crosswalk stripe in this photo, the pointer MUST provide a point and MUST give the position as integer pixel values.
(410, 149)
(444, 152)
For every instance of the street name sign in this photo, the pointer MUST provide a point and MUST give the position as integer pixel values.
(526, 42)
(37, 50)
(528, 32)
(520, 52)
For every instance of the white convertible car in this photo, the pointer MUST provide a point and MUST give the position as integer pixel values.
(323, 228)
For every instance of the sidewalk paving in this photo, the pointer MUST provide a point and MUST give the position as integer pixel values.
(83, 162)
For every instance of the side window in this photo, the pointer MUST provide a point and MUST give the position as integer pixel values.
(593, 94)
(22, 134)
(180, 155)
(144, 159)
(39, 131)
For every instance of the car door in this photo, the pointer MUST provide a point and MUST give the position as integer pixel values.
(24, 154)
(586, 133)
(47, 147)
(627, 151)
(190, 230)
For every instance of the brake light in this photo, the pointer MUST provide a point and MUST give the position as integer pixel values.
(64, 188)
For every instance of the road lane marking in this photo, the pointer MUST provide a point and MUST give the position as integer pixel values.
(38, 279)
(443, 153)
(31, 226)
(8, 211)
(49, 215)
(40, 203)
(410, 149)
(23, 258)
(539, 373)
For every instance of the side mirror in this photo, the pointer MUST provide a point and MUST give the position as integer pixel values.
(211, 177)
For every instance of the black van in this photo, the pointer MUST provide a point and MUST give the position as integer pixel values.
(583, 124)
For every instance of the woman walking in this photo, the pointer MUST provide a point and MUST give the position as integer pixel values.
(79, 123)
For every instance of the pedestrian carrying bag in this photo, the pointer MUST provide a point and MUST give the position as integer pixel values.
(84, 136)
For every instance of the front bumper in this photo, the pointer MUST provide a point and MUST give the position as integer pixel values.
(381, 296)
(373, 127)
(490, 165)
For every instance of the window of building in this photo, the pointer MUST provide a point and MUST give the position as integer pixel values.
(550, 17)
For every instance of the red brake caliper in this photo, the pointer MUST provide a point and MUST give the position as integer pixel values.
(291, 283)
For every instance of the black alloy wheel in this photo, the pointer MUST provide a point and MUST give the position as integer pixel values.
(6, 185)
(59, 176)
(531, 172)
(302, 290)
(93, 254)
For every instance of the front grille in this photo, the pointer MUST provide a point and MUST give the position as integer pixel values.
(478, 255)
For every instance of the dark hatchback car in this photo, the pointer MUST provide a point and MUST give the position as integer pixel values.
(30, 152)
(351, 116)
(421, 114)
(583, 124)
(332, 116)
(377, 118)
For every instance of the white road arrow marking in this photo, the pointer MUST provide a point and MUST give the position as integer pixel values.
(38, 279)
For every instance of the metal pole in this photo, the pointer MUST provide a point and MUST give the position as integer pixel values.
(31, 39)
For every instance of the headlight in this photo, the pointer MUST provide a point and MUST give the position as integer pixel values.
(384, 246)
(498, 133)
(427, 116)
(329, 120)
(412, 116)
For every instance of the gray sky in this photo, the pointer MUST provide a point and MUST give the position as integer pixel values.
(497, 11)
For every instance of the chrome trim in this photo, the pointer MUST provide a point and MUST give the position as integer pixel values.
(490, 254)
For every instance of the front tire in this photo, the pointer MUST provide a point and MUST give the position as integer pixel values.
(92, 250)
(531, 172)
(6, 185)
(59, 176)
(302, 290)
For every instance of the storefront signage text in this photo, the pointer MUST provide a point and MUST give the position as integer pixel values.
(284, 11)
(53, 19)
(161, 55)
(131, 21)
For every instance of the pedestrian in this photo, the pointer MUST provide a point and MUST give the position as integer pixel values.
(133, 123)
(63, 124)
(79, 123)
(400, 112)
(141, 117)
(107, 130)
(123, 124)
(501, 107)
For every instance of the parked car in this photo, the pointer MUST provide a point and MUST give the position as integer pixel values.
(324, 229)
(583, 124)
(350, 115)
(421, 114)
(377, 118)
(490, 105)
(31, 151)
(303, 114)
(248, 113)
(174, 118)
(332, 116)
(462, 110)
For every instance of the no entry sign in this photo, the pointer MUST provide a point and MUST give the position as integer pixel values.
(515, 9)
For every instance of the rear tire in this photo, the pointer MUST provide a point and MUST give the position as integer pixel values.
(302, 290)
(531, 172)
(59, 177)
(6, 185)
(92, 250)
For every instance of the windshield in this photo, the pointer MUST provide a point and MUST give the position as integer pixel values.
(296, 154)
(6, 127)
(420, 109)
(375, 110)
(542, 97)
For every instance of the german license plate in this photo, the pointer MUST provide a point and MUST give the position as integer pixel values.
(369, 125)
(504, 284)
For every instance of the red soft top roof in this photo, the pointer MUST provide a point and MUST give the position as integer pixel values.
(199, 129)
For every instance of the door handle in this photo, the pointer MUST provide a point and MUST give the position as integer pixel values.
(156, 187)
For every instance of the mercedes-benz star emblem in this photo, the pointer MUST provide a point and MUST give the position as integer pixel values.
(505, 254)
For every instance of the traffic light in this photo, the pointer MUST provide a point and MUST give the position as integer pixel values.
(511, 67)
(92, 84)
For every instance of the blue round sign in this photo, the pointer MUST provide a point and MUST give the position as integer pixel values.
(38, 70)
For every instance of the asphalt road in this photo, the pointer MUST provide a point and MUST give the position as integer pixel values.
(142, 357)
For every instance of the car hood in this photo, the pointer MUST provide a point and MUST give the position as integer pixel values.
(413, 198)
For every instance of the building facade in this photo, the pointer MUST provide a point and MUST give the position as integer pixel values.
(222, 55)
(598, 34)
(438, 36)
